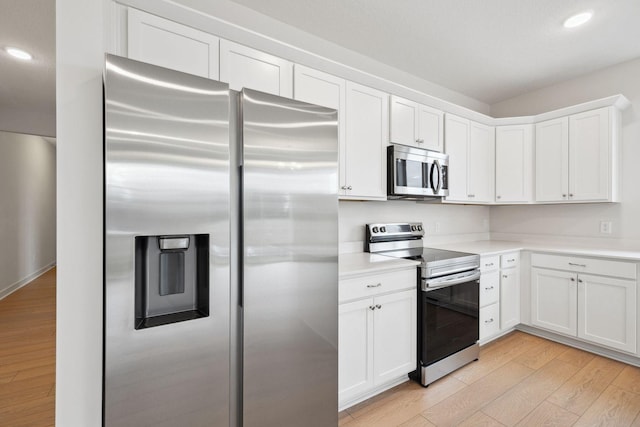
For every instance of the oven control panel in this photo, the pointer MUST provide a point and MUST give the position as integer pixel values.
(393, 231)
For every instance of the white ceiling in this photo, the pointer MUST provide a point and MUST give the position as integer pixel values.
(491, 50)
(28, 86)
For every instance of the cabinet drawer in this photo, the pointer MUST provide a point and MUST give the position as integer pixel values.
(489, 288)
(512, 259)
(603, 267)
(374, 284)
(489, 320)
(488, 263)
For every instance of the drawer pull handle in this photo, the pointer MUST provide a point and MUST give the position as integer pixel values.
(378, 306)
(573, 280)
(511, 260)
(372, 307)
(579, 280)
(577, 265)
(489, 288)
(489, 265)
(489, 321)
(504, 276)
(377, 285)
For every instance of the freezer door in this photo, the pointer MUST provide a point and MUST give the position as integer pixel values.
(166, 312)
(290, 287)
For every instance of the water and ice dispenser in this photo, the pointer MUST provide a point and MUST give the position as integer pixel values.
(171, 279)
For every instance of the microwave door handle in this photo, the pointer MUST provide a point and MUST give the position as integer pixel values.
(436, 164)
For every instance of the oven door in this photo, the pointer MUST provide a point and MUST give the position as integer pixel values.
(449, 317)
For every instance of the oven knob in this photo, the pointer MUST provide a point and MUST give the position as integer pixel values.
(382, 229)
(375, 229)
(413, 228)
(419, 228)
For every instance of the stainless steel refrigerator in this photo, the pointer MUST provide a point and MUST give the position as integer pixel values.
(221, 249)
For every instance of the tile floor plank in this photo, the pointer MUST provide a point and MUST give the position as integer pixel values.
(615, 407)
(511, 407)
(548, 414)
(469, 400)
(580, 391)
(480, 419)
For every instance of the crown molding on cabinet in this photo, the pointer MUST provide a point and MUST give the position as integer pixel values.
(172, 10)
(619, 101)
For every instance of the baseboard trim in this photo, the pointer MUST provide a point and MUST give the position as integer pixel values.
(373, 392)
(591, 348)
(17, 285)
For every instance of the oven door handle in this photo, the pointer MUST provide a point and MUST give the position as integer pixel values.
(428, 285)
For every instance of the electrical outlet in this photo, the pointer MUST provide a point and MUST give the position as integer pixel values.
(605, 227)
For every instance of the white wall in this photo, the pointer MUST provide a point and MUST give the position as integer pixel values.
(28, 209)
(28, 122)
(442, 222)
(80, 41)
(582, 220)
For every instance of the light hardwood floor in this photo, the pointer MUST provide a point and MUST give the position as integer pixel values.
(520, 380)
(27, 354)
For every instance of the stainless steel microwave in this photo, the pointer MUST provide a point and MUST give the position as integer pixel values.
(415, 173)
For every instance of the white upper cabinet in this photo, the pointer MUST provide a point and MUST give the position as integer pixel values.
(470, 146)
(415, 124)
(457, 130)
(552, 160)
(514, 164)
(590, 156)
(165, 43)
(576, 157)
(324, 89)
(481, 163)
(242, 66)
(367, 127)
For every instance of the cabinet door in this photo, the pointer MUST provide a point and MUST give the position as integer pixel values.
(552, 160)
(165, 43)
(481, 163)
(430, 128)
(241, 66)
(355, 348)
(320, 88)
(554, 300)
(514, 163)
(589, 155)
(509, 298)
(394, 335)
(489, 288)
(489, 321)
(456, 146)
(367, 122)
(607, 311)
(404, 122)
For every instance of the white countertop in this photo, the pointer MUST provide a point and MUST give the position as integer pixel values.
(351, 264)
(492, 247)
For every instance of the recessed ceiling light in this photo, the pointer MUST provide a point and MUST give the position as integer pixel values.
(19, 53)
(578, 19)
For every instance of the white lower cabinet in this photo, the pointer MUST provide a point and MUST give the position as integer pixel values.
(499, 294)
(509, 294)
(489, 320)
(599, 309)
(377, 336)
(355, 352)
(554, 305)
(394, 336)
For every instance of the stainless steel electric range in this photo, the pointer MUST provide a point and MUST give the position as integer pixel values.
(448, 298)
